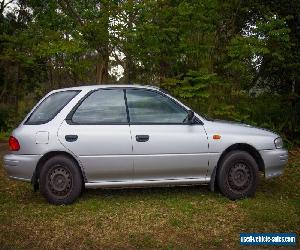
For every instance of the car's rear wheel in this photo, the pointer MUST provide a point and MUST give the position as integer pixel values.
(238, 175)
(60, 180)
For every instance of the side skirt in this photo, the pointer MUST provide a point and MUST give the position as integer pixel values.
(146, 183)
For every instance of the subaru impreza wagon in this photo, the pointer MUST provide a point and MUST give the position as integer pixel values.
(113, 136)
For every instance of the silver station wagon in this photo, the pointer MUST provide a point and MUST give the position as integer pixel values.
(113, 136)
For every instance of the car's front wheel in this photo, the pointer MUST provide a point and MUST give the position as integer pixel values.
(60, 180)
(238, 175)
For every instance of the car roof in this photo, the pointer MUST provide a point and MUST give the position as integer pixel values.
(93, 87)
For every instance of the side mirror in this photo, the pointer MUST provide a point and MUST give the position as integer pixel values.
(190, 116)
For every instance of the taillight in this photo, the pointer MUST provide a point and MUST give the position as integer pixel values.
(14, 144)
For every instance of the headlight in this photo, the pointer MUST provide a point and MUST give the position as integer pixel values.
(278, 142)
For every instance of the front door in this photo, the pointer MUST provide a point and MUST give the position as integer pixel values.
(98, 134)
(165, 146)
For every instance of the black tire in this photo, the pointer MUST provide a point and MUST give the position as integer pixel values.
(60, 180)
(238, 175)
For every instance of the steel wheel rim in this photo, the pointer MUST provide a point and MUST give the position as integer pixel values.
(59, 181)
(239, 177)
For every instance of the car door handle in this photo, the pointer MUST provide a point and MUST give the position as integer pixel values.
(142, 138)
(71, 138)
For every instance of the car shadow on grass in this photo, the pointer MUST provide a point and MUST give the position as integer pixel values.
(148, 191)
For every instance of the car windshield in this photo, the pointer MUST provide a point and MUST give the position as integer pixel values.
(51, 106)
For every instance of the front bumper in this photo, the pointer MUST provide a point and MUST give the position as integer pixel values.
(20, 167)
(274, 161)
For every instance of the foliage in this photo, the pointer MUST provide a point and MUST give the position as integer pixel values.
(228, 59)
(5, 118)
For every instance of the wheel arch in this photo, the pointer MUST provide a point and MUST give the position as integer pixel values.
(47, 156)
(237, 146)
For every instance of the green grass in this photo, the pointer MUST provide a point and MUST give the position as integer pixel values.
(164, 218)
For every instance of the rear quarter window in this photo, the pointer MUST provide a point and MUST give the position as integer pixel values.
(50, 107)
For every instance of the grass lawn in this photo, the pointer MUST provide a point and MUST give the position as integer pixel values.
(164, 218)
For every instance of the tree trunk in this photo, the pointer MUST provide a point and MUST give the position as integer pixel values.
(3, 91)
(129, 67)
(51, 77)
(102, 70)
(17, 89)
(103, 50)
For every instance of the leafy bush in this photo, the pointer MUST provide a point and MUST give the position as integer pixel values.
(6, 121)
(209, 94)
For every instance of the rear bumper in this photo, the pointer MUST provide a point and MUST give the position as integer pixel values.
(20, 167)
(274, 161)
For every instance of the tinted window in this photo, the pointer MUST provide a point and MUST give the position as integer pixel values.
(152, 107)
(51, 106)
(102, 106)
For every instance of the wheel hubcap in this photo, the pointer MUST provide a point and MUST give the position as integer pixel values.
(59, 181)
(239, 176)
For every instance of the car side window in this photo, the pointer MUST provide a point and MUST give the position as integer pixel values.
(104, 106)
(146, 106)
(50, 107)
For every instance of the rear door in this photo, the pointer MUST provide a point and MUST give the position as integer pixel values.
(97, 132)
(165, 147)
